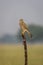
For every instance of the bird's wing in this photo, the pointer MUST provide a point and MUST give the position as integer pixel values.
(25, 26)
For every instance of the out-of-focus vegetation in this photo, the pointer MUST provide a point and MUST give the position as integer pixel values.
(37, 33)
(14, 55)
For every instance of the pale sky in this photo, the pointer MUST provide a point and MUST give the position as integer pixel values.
(12, 10)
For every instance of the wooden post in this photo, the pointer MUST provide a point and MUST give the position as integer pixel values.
(25, 48)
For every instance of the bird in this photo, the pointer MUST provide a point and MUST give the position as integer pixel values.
(24, 28)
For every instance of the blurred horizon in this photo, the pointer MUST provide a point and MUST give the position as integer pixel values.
(37, 35)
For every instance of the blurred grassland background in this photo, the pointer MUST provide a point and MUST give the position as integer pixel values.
(14, 54)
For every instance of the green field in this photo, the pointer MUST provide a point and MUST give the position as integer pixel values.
(14, 54)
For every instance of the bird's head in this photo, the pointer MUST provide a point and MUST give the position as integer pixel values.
(21, 21)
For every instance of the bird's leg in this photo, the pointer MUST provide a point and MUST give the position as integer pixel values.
(30, 35)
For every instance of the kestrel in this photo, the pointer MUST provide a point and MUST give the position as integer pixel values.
(24, 27)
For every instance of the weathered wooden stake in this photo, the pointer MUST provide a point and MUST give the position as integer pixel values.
(25, 49)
